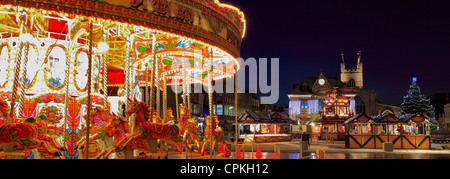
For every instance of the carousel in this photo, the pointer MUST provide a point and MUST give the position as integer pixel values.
(60, 61)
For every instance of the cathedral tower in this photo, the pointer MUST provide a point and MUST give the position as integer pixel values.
(354, 77)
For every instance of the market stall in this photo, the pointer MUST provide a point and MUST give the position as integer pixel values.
(260, 126)
(336, 110)
(405, 132)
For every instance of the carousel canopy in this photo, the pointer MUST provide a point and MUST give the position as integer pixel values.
(185, 38)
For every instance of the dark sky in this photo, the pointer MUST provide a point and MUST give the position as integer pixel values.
(398, 40)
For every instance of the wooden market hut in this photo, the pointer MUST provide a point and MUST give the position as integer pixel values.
(262, 126)
(405, 132)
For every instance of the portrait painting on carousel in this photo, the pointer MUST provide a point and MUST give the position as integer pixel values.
(56, 66)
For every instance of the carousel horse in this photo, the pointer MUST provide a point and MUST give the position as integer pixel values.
(118, 128)
(23, 135)
(145, 129)
(122, 142)
(99, 128)
(188, 125)
(27, 134)
(168, 116)
(104, 127)
(47, 131)
(218, 136)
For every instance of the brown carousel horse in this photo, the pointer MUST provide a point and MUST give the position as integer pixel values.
(217, 134)
(145, 129)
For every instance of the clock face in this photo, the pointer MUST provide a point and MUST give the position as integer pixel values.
(321, 81)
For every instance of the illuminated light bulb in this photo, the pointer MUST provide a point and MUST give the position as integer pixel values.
(103, 47)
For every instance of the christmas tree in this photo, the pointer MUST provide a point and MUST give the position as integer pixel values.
(417, 103)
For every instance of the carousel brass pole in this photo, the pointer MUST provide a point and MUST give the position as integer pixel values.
(152, 76)
(18, 62)
(66, 97)
(184, 81)
(211, 110)
(176, 101)
(189, 98)
(146, 84)
(22, 85)
(127, 93)
(158, 100)
(188, 89)
(235, 110)
(105, 76)
(24, 72)
(164, 95)
(89, 71)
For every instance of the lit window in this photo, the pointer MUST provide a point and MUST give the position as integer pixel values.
(304, 104)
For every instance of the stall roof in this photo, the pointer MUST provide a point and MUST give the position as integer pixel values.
(414, 118)
(387, 118)
(280, 117)
(264, 117)
(360, 118)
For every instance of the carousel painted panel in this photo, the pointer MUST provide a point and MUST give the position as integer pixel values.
(56, 65)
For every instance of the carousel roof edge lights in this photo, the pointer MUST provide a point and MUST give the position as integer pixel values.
(207, 21)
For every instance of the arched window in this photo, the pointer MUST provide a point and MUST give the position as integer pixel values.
(360, 105)
(352, 83)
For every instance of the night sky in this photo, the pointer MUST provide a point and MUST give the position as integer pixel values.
(398, 40)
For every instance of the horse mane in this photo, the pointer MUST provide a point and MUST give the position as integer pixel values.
(145, 110)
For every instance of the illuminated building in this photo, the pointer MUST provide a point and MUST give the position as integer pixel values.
(309, 97)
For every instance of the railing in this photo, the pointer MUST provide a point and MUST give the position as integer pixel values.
(320, 154)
